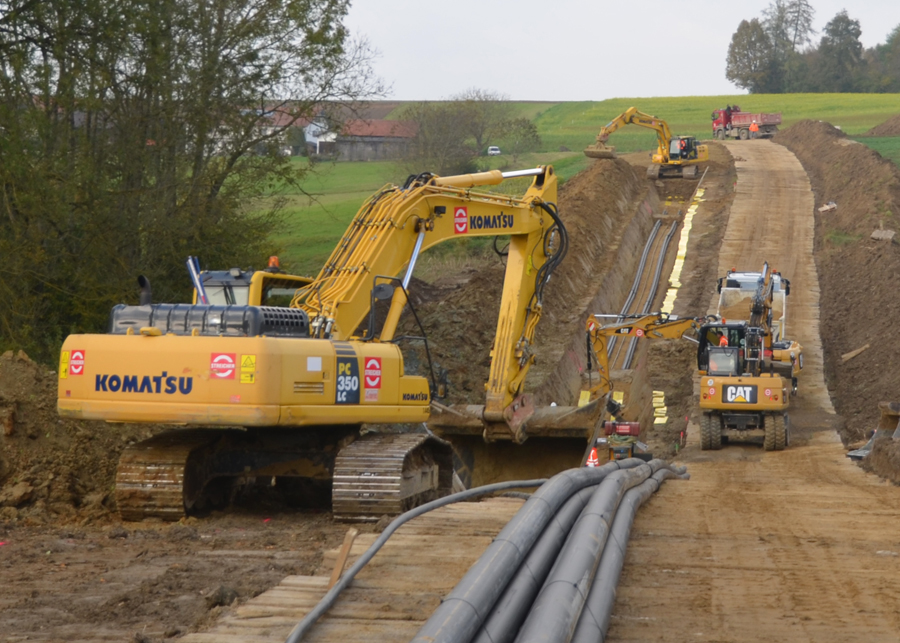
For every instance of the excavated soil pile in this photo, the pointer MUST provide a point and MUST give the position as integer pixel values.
(53, 469)
(891, 127)
(595, 206)
(860, 299)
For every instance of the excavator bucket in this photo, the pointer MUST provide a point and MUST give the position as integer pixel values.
(600, 151)
(888, 426)
(520, 423)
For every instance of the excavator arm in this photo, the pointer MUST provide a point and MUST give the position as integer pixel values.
(391, 230)
(632, 116)
(652, 326)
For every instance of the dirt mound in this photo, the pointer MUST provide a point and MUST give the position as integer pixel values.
(891, 127)
(860, 301)
(596, 206)
(52, 468)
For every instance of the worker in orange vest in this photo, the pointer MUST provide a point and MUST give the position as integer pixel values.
(754, 129)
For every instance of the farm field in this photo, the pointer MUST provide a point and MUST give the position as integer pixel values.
(315, 221)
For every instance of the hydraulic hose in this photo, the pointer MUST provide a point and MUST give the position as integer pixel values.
(329, 599)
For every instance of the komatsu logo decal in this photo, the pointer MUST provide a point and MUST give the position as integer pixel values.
(496, 221)
(740, 394)
(164, 383)
(415, 397)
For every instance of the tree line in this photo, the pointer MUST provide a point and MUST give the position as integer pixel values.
(452, 134)
(135, 133)
(777, 53)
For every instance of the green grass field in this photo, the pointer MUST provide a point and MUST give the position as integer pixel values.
(887, 146)
(314, 226)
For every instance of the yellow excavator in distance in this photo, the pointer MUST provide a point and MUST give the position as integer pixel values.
(676, 156)
(281, 394)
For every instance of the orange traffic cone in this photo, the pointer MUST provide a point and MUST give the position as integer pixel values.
(593, 460)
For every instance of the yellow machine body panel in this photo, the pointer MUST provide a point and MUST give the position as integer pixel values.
(765, 393)
(236, 381)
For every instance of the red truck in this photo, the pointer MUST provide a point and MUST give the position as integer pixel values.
(732, 122)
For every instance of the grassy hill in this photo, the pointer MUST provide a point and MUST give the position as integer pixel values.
(314, 226)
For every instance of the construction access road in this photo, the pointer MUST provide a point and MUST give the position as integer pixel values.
(799, 545)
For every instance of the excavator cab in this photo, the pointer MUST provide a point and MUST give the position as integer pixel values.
(683, 148)
(718, 340)
(724, 361)
(237, 287)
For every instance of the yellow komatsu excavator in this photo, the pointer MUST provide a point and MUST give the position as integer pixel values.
(676, 156)
(280, 394)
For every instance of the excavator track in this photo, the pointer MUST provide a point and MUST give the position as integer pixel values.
(151, 476)
(387, 474)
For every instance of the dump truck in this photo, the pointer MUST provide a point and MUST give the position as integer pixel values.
(731, 122)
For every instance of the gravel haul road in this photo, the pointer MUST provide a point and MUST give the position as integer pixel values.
(799, 545)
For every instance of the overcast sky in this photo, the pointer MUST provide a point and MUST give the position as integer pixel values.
(566, 50)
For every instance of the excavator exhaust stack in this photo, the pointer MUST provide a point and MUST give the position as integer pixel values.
(600, 151)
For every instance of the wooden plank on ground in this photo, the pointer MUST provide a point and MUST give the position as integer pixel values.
(391, 597)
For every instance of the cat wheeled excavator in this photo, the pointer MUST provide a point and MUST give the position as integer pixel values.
(748, 370)
(675, 156)
(292, 394)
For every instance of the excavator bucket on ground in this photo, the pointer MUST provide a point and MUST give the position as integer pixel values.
(521, 421)
(888, 426)
(600, 151)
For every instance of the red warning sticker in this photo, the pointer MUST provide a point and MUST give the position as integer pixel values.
(712, 391)
(373, 372)
(768, 392)
(461, 220)
(76, 363)
(639, 332)
(221, 366)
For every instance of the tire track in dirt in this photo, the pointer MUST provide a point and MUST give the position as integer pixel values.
(798, 545)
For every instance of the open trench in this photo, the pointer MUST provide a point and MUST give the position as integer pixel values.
(798, 545)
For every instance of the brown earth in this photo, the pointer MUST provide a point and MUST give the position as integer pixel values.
(66, 564)
(891, 127)
(860, 301)
(53, 470)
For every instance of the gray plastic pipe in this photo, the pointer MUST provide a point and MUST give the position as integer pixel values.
(462, 613)
(511, 609)
(594, 620)
(329, 599)
(555, 612)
